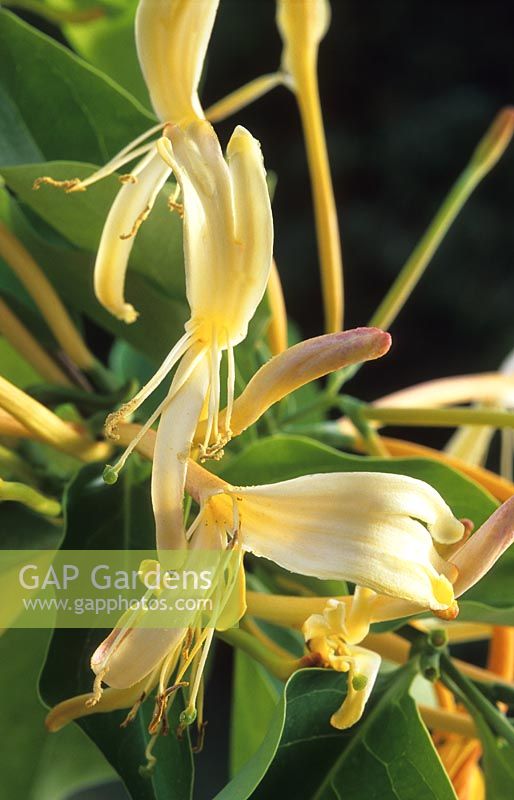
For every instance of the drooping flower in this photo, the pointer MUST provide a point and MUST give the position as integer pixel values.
(228, 241)
(362, 527)
(329, 635)
(171, 38)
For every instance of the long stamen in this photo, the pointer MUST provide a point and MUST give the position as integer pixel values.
(147, 209)
(113, 166)
(231, 380)
(128, 153)
(111, 473)
(175, 354)
(214, 399)
(199, 670)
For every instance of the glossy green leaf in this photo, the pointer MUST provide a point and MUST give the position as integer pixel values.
(119, 516)
(41, 80)
(255, 695)
(388, 755)
(37, 765)
(498, 763)
(108, 44)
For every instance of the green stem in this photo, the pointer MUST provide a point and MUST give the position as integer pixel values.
(31, 498)
(280, 667)
(476, 701)
(487, 153)
(440, 417)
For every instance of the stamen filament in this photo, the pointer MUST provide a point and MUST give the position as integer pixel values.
(199, 669)
(242, 97)
(175, 354)
(115, 470)
(113, 166)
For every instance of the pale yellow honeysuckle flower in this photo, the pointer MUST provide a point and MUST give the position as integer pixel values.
(302, 25)
(362, 527)
(327, 635)
(171, 38)
(228, 240)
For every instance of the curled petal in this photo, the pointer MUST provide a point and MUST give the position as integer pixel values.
(362, 527)
(253, 230)
(172, 38)
(481, 551)
(300, 364)
(228, 226)
(80, 706)
(132, 205)
(363, 667)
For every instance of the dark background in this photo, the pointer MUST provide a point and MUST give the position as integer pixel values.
(408, 89)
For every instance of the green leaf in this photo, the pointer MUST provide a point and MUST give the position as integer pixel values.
(43, 81)
(161, 318)
(120, 516)
(498, 762)
(37, 765)
(388, 755)
(108, 44)
(15, 368)
(255, 695)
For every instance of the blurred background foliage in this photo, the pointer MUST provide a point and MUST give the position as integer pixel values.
(408, 89)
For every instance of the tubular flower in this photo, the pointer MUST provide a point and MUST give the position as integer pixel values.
(329, 635)
(228, 240)
(133, 660)
(368, 528)
(302, 25)
(171, 38)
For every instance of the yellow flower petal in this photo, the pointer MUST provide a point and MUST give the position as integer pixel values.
(363, 670)
(132, 205)
(362, 527)
(172, 38)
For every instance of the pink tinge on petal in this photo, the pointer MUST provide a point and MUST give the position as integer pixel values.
(483, 549)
